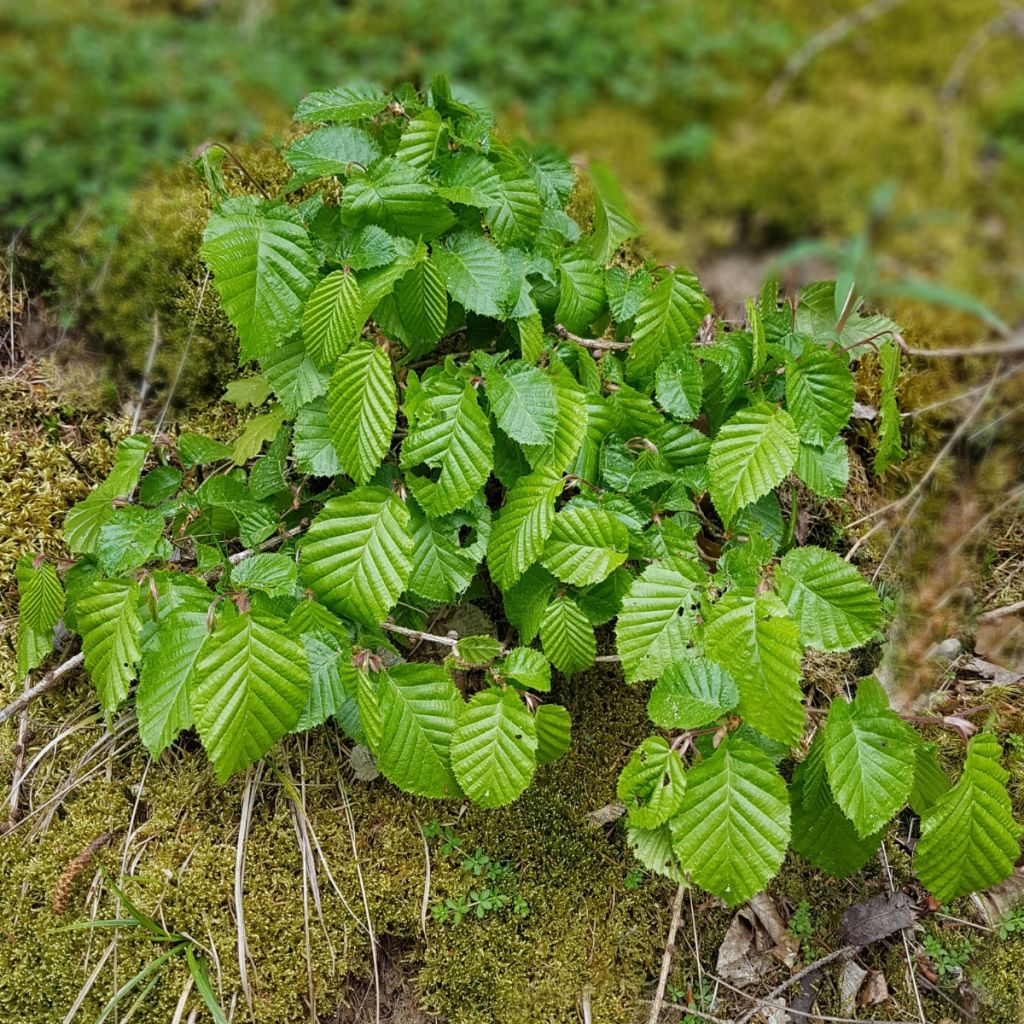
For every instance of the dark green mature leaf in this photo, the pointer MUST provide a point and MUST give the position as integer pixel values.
(514, 217)
(356, 555)
(330, 151)
(247, 690)
(422, 301)
(819, 394)
(342, 106)
(131, 537)
(581, 291)
(527, 667)
(733, 828)
(526, 601)
(40, 606)
(423, 140)
(585, 546)
(570, 425)
(361, 409)
(269, 573)
(969, 839)
(263, 269)
(442, 567)
(680, 385)
(824, 470)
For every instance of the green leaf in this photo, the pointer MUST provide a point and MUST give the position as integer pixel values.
(159, 484)
(691, 693)
(423, 140)
(657, 617)
(652, 847)
(396, 197)
(312, 441)
(330, 151)
(870, 755)
(356, 555)
(554, 732)
(129, 538)
(40, 607)
(680, 385)
(110, 626)
(475, 272)
(819, 394)
(293, 375)
(527, 600)
(162, 699)
(420, 709)
(732, 830)
(668, 320)
(342, 106)
(365, 248)
(248, 689)
(753, 452)
(581, 291)
(585, 546)
(567, 637)
(821, 832)
(333, 318)
(930, 780)
(368, 705)
(652, 784)
(247, 392)
(442, 568)
(514, 218)
(625, 292)
(969, 839)
(469, 179)
(493, 751)
(448, 433)
(477, 650)
(613, 223)
(834, 606)
(267, 476)
(361, 409)
(263, 269)
(196, 450)
(522, 399)
(570, 428)
(258, 431)
(423, 301)
(527, 667)
(523, 526)
(327, 692)
(272, 574)
(824, 470)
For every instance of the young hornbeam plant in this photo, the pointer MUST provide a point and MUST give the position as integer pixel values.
(470, 394)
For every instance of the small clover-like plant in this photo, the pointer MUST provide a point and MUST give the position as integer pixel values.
(463, 389)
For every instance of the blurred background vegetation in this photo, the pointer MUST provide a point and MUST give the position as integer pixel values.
(738, 128)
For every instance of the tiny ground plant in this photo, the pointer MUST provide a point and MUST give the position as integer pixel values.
(465, 392)
(801, 927)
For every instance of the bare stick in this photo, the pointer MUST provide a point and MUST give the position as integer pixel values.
(838, 954)
(666, 960)
(144, 386)
(48, 682)
(998, 613)
(596, 344)
(18, 768)
(1012, 346)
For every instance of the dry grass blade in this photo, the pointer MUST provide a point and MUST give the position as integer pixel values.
(252, 781)
(666, 959)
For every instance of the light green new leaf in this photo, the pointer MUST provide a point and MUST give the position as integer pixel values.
(423, 140)
(342, 106)
(396, 197)
(442, 568)
(819, 394)
(680, 384)
(668, 319)
(449, 433)
(493, 751)
(162, 699)
(570, 428)
(263, 269)
(523, 525)
(585, 546)
(821, 832)
(732, 830)
(356, 555)
(249, 687)
(293, 375)
(567, 636)
(110, 626)
(652, 847)
(272, 574)
(475, 272)
(329, 151)
(762, 652)
(523, 401)
(333, 318)
(753, 452)
(311, 441)
(613, 223)
(40, 606)
(423, 301)
(361, 408)
(554, 732)
(824, 470)
(652, 783)
(527, 667)
(870, 756)
(257, 432)
(420, 709)
(581, 291)
(691, 693)
(834, 606)
(969, 840)
(657, 617)
(480, 649)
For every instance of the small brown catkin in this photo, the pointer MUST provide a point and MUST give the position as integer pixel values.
(68, 877)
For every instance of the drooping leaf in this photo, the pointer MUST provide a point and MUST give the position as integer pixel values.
(652, 784)
(361, 409)
(613, 223)
(356, 555)
(657, 617)
(969, 839)
(110, 626)
(567, 636)
(586, 544)
(691, 693)
(523, 526)
(834, 606)
(554, 732)
(40, 606)
(420, 709)
(752, 453)
(732, 830)
(493, 750)
(870, 756)
(668, 319)
(333, 318)
(247, 690)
